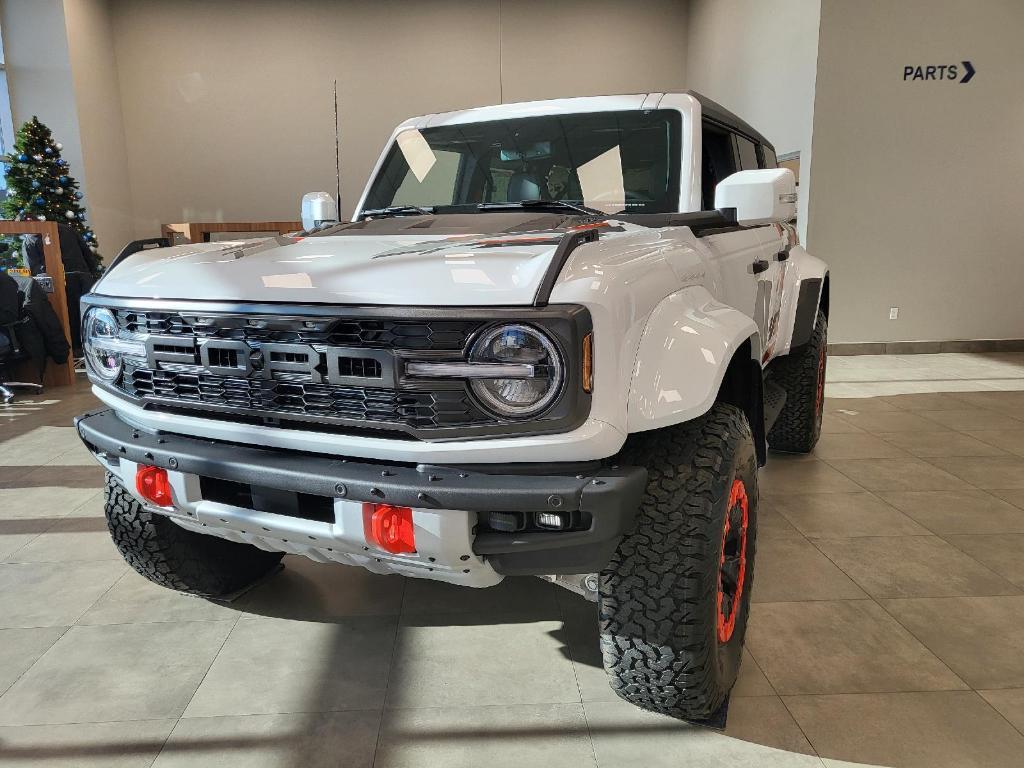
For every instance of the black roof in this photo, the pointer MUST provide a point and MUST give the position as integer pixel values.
(718, 113)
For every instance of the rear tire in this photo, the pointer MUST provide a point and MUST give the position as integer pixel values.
(675, 598)
(802, 375)
(176, 558)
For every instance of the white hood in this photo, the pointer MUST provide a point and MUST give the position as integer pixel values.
(407, 269)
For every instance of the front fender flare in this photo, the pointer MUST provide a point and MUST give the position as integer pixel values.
(682, 358)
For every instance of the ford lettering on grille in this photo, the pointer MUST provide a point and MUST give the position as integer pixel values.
(273, 361)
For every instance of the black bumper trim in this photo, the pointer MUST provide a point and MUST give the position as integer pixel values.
(611, 496)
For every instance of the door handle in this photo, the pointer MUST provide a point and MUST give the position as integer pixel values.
(760, 266)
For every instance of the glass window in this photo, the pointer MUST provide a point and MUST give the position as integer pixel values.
(6, 122)
(718, 161)
(747, 152)
(768, 157)
(612, 161)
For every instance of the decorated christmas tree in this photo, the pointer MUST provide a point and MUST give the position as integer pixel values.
(39, 186)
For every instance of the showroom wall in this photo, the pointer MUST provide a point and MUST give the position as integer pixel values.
(101, 128)
(229, 105)
(759, 59)
(917, 192)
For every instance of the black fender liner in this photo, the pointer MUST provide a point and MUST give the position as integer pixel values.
(807, 304)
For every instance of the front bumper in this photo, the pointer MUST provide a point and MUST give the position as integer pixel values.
(439, 495)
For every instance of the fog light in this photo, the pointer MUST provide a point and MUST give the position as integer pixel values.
(389, 528)
(555, 521)
(153, 485)
(506, 522)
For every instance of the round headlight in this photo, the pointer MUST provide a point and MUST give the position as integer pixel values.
(519, 396)
(100, 343)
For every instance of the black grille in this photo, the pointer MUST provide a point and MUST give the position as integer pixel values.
(445, 335)
(414, 409)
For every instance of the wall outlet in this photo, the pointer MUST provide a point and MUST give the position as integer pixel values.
(894, 313)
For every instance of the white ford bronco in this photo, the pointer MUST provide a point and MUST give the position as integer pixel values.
(556, 338)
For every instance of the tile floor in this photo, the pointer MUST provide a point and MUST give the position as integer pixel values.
(888, 625)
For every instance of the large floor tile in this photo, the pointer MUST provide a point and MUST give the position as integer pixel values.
(933, 444)
(273, 666)
(845, 646)
(1011, 402)
(792, 569)
(52, 594)
(68, 540)
(835, 424)
(136, 600)
(11, 542)
(450, 660)
(624, 735)
(20, 648)
(963, 511)
(980, 638)
(912, 566)
(788, 476)
(120, 672)
(971, 418)
(312, 740)
(765, 720)
(862, 446)
(987, 472)
(926, 401)
(898, 475)
(844, 514)
(1011, 440)
(322, 592)
(497, 737)
(526, 594)
(949, 729)
(84, 745)
(1014, 496)
(1002, 552)
(896, 421)
(41, 503)
(751, 681)
(581, 637)
(771, 524)
(1009, 703)
(858, 404)
(38, 446)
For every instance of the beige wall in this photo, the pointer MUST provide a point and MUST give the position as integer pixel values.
(101, 129)
(228, 108)
(758, 59)
(918, 191)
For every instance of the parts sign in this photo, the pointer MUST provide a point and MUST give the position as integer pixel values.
(962, 72)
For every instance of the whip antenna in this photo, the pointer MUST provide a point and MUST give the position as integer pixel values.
(337, 149)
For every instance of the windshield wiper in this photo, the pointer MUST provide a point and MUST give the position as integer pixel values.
(563, 205)
(397, 210)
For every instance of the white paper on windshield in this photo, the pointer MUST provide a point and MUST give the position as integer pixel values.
(417, 152)
(601, 182)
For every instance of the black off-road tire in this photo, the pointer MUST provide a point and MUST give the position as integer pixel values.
(659, 596)
(168, 555)
(802, 375)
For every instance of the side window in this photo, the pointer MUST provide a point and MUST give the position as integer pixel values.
(747, 152)
(718, 161)
(768, 159)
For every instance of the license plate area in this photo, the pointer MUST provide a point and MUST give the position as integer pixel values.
(304, 506)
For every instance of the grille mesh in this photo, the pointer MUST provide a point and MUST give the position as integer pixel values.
(418, 410)
(450, 335)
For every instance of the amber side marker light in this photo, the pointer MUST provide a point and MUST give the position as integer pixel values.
(153, 485)
(588, 363)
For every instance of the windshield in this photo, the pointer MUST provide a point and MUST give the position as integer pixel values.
(611, 161)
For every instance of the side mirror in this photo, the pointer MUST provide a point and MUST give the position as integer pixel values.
(318, 208)
(766, 196)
